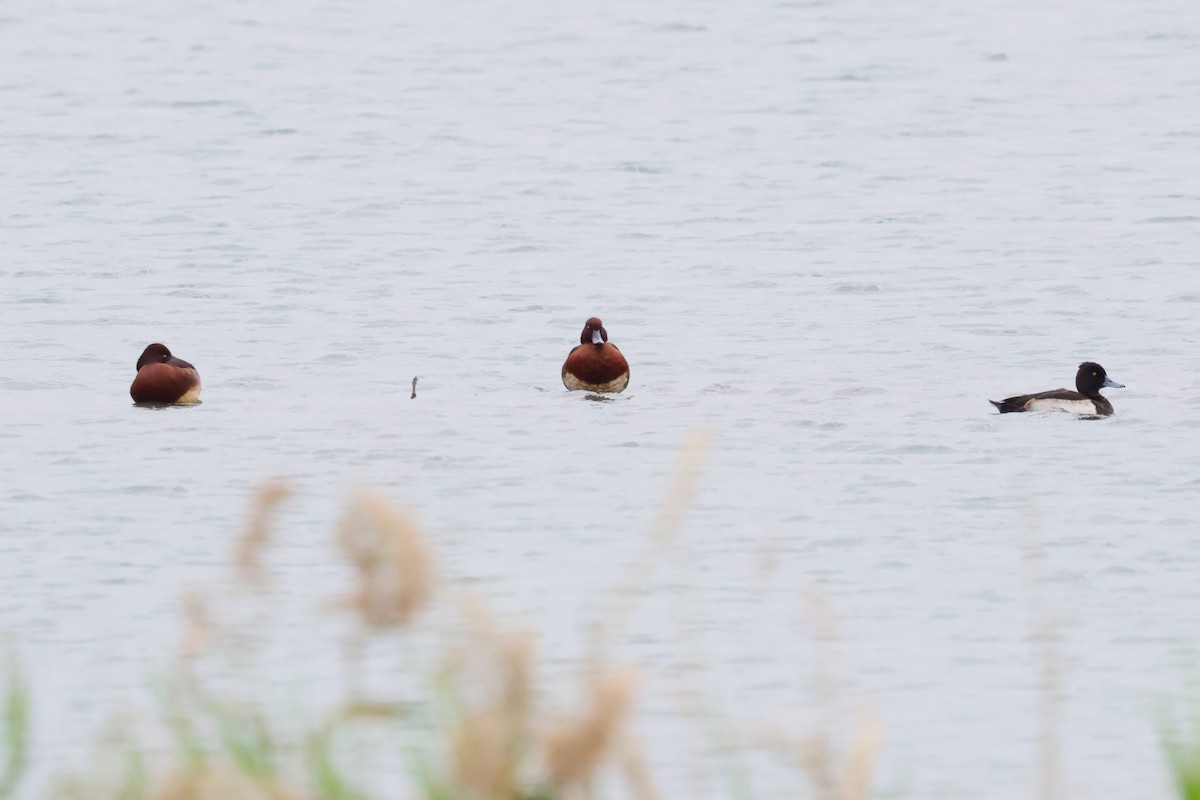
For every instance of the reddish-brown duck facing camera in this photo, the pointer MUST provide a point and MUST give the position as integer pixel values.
(163, 378)
(595, 365)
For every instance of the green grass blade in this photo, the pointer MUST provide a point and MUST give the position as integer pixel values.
(16, 733)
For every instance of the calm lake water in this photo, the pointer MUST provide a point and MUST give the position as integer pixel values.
(825, 233)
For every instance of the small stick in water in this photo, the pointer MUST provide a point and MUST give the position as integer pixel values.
(414, 394)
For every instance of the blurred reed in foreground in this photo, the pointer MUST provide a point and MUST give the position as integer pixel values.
(14, 735)
(484, 727)
(1180, 731)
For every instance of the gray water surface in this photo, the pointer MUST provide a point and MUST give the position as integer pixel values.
(826, 233)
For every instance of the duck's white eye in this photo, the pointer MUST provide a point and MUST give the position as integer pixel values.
(1095, 374)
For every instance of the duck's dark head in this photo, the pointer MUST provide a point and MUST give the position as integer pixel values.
(593, 332)
(154, 354)
(1091, 378)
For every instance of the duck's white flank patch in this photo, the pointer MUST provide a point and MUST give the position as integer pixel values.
(191, 395)
(1059, 404)
(576, 385)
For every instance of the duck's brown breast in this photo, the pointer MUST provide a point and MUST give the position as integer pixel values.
(596, 368)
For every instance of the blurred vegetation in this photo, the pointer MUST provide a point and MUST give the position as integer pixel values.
(1181, 743)
(15, 731)
(482, 725)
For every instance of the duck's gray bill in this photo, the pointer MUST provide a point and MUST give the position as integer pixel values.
(1111, 384)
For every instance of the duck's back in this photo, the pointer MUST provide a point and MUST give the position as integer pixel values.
(166, 383)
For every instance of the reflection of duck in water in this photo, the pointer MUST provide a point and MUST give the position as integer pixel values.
(163, 378)
(594, 365)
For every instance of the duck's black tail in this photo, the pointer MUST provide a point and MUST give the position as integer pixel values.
(1010, 404)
